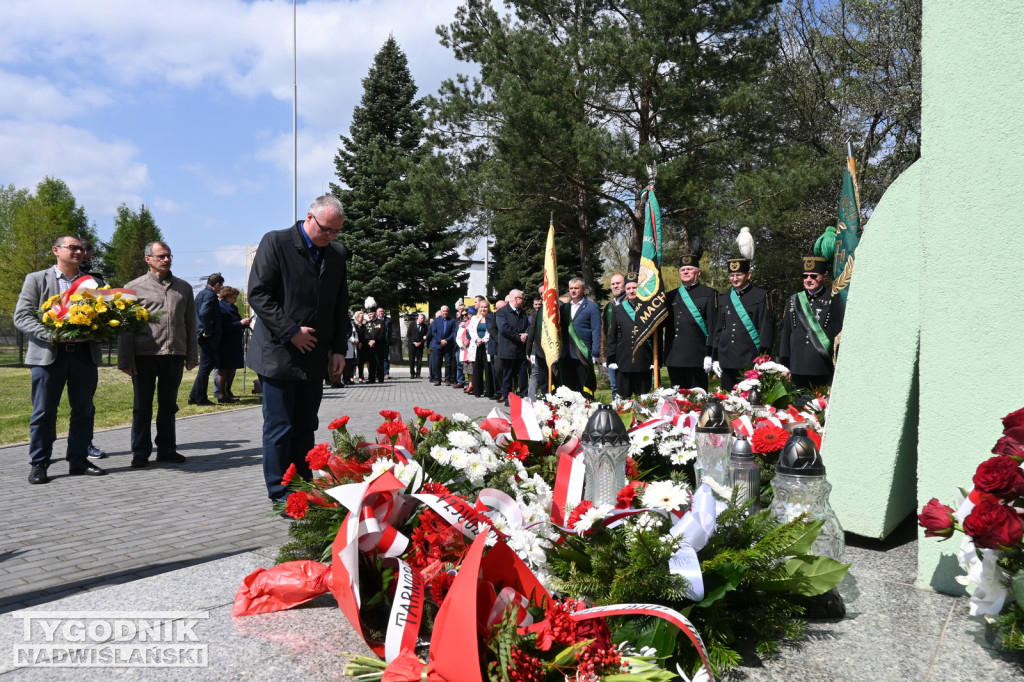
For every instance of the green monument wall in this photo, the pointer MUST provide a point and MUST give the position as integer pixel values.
(931, 352)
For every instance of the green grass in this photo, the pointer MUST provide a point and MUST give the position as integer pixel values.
(113, 401)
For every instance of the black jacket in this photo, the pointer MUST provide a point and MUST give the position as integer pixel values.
(287, 290)
(620, 343)
(685, 344)
(510, 325)
(733, 347)
(208, 320)
(796, 350)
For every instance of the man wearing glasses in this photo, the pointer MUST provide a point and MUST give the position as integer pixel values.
(156, 354)
(56, 364)
(812, 320)
(298, 290)
(745, 328)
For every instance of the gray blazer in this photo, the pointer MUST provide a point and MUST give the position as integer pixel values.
(38, 287)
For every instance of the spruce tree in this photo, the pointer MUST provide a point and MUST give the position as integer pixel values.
(401, 251)
(123, 260)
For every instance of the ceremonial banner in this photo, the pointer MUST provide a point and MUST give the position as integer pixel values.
(550, 329)
(652, 311)
(848, 231)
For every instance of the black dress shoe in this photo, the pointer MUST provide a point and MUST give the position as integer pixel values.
(228, 400)
(38, 475)
(140, 462)
(204, 403)
(171, 458)
(88, 470)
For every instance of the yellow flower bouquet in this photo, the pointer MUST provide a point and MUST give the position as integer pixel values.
(98, 313)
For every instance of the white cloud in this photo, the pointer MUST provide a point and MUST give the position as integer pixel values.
(169, 205)
(35, 98)
(222, 186)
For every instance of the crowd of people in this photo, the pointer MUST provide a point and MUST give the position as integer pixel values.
(307, 336)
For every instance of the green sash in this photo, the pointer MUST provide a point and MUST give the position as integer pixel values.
(692, 307)
(745, 318)
(629, 309)
(823, 345)
(590, 382)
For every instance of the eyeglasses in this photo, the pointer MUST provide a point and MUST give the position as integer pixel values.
(72, 248)
(811, 276)
(324, 229)
(162, 256)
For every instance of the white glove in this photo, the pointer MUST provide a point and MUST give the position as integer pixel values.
(613, 365)
(716, 368)
(596, 361)
(532, 359)
(707, 364)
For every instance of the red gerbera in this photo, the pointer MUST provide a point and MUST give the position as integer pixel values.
(298, 503)
(319, 456)
(390, 415)
(338, 423)
(289, 475)
(769, 438)
(422, 412)
(518, 450)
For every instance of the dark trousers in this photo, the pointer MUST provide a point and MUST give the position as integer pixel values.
(513, 377)
(289, 427)
(634, 383)
(415, 361)
(350, 368)
(688, 377)
(731, 377)
(482, 373)
(159, 374)
(573, 372)
(78, 371)
(207, 358)
(371, 365)
(380, 361)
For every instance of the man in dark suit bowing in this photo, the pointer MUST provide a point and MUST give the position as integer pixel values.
(513, 325)
(298, 289)
(581, 340)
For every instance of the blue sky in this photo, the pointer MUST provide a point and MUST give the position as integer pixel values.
(186, 106)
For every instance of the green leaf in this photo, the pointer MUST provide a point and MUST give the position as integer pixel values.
(720, 580)
(1017, 587)
(803, 544)
(807, 575)
(568, 655)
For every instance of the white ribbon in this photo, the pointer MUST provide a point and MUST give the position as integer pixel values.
(696, 528)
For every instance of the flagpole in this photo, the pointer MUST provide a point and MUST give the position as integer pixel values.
(295, 121)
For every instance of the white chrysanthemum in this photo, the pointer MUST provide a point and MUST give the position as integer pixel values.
(736, 404)
(681, 457)
(592, 516)
(542, 410)
(772, 368)
(379, 466)
(746, 385)
(459, 417)
(529, 546)
(441, 454)
(563, 426)
(666, 495)
(462, 439)
(459, 458)
(476, 470)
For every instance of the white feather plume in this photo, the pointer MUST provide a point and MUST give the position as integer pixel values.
(370, 303)
(745, 242)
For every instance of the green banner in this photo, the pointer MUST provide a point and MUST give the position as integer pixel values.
(651, 290)
(848, 232)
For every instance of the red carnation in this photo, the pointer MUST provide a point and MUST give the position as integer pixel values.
(390, 415)
(433, 488)
(936, 519)
(624, 498)
(338, 423)
(321, 501)
(286, 480)
(1014, 419)
(518, 450)
(632, 470)
(751, 374)
(298, 503)
(422, 412)
(424, 430)
(1009, 447)
(993, 526)
(436, 417)
(319, 456)
(769, 438)
(581, 509)
(1000, 476)
(816, 437)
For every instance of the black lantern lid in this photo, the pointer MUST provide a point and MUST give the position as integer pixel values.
(741, 450)
(800, 456)
(713, 418)
(754, 396)
(605, 427)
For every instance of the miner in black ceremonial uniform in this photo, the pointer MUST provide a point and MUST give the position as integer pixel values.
(632, 362)
(745, 329)
(693, 310)
(377, 344)
(811, 321)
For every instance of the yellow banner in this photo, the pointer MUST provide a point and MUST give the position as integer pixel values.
(550, 331)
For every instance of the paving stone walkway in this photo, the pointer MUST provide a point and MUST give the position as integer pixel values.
(82, 533)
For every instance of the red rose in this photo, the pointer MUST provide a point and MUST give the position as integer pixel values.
(422, 412)
(936, 519)
(993, 526)
(338, 423)
(319, 456)
(1009, 447)
(1014, 419)
(1000, 476)
(769, 438)
(390, 415)
(517, 450)
(289, 475)
(1016, 434)
(298, 503)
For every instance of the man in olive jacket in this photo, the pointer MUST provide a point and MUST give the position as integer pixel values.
(298, 290)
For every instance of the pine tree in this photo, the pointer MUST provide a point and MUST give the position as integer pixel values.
(123, 261)
(401, 251)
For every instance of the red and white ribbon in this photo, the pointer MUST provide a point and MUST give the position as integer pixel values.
(742, 426)
(406, 610)
(648, 427)
(568, 490)
(525, 424)
(663, 612)
(460, 514)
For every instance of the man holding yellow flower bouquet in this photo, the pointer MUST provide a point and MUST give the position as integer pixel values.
(56, 363)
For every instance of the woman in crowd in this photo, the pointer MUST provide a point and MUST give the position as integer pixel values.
(464, 339)
(351, 353)
(359, 329)
(231, 352)
(481, 367)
